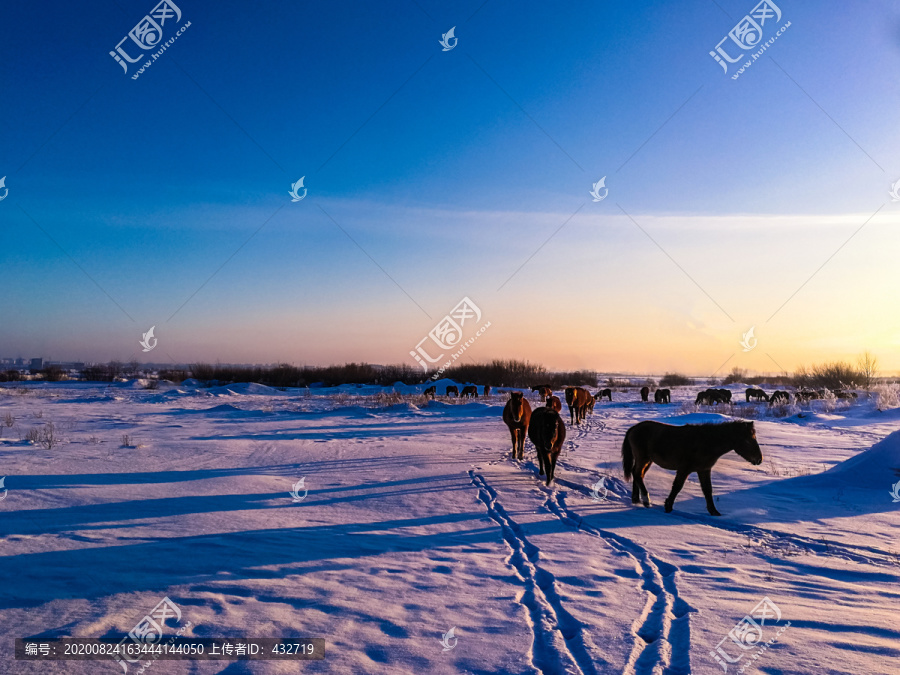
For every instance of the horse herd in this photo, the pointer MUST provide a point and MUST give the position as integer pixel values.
(715, 396)
(684, 449)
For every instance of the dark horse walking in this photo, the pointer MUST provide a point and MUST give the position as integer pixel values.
(517, 415)
(548, 433)
(684, 449)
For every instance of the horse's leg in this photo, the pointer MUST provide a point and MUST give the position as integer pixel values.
(553, 456)
(520, 443)
(515, 440)
(706, 483)
(677, 484)
(645, 496)
(540, 456)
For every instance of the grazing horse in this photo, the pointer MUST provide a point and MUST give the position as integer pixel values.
(554, 403)
(662, 396)
(548, 432)
(452, 389)
(757, 395)
(487, 390)
(430, 391)
(577, 398)
(603, 392)
(780, 397)
(645, 394)
(712, 396)
(806, 395)
(469, 391)
(684, 449)
(840, 393)
(517, 415)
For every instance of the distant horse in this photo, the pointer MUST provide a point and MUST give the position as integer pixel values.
(452, 389)
(430, 391)
(780, 397)
(845, 394)
(645, 394)
(577, 398)
(662, 396)
(725, 395)
(544, 390)
(517, 415)
(469, 391)
(756, 395)
(806, 395)
(487, 390)
(684, 449)
(603, 392)
(554, 403)
(710, 397)
(548, 433)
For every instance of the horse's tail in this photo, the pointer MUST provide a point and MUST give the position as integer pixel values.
(627, 456)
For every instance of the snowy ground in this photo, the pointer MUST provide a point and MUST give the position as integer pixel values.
(415, 521)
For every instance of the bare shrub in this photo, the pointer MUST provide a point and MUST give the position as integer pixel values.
(47, 435)
(9, 420)
(887, 395)
(38, 414)
(830, 375)
(868, 369)
(50, 436)
(127, 441)
(675, 380)
(736, 375)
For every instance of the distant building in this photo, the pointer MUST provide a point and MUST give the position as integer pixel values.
(36, 364)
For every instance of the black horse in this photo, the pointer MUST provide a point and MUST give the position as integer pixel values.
(684, 449)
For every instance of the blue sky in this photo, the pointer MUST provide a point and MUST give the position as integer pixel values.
(449, 169)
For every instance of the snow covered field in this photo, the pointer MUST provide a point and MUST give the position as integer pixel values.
(412, 520)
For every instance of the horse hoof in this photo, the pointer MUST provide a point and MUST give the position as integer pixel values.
(647, 505)
(714, 513)
(668, 508)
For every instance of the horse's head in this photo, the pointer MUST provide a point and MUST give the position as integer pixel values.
(570, 395)
(544, 424)
(746, 445)
(516, 406)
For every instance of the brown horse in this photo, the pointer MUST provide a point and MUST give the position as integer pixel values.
(548, 433)
(469, 391)
(603, 392)
(487, 390)
(645, 394)
(578, 399)
(517, 415)
(662, 396)
(452, 389)
(430, 391)
(554, 403)
(544, 390)
(684, 449)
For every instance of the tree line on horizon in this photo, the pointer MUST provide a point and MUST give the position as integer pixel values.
(496, 373)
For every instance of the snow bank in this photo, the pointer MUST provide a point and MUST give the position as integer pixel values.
(881, 459)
